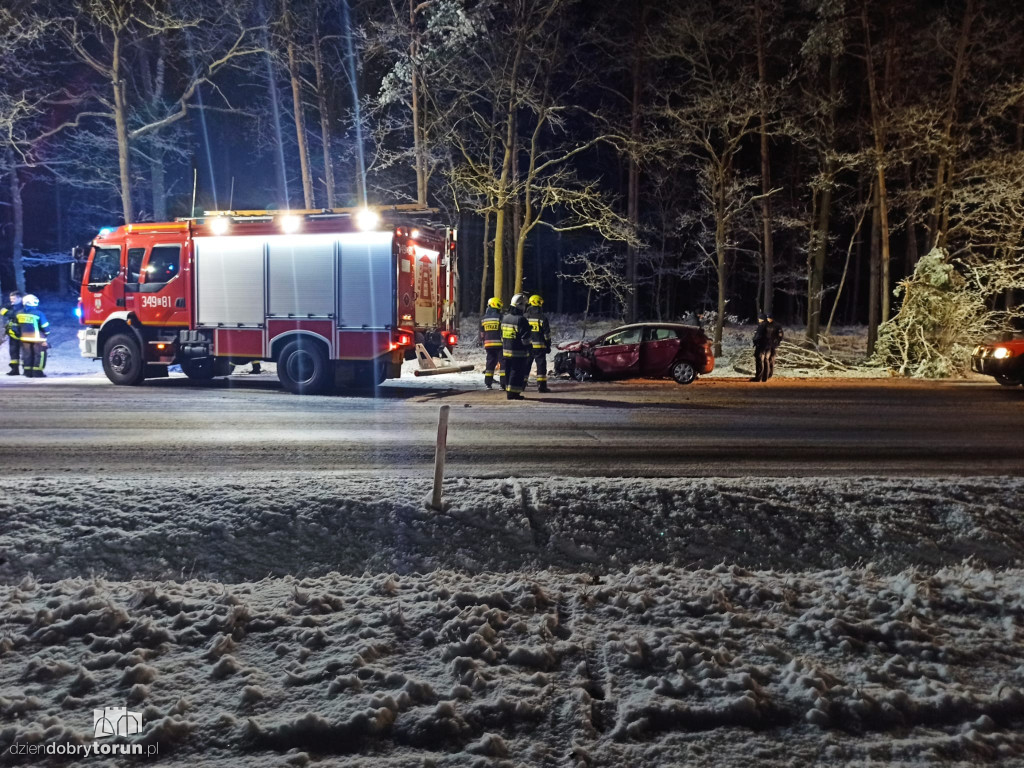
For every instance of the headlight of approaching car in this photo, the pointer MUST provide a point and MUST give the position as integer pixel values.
(1001, 353)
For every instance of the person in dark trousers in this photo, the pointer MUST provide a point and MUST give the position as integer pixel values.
(10, 326)
(516, 349)
(33, 328)
(540, 340)
(760, 347)
(490, 337)
(775, 335)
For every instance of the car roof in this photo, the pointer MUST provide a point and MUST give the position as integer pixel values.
(675, 326)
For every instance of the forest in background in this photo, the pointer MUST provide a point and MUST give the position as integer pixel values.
(639, 159)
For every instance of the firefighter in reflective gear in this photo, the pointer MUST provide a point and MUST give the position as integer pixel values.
(33, 328)
(7, 313)
(515, 340)
(490, 337)
(540, 340)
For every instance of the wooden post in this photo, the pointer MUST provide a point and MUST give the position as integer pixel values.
(439, 455)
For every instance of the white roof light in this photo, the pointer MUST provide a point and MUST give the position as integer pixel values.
(219, 225)
(290, 224)
(367, 219)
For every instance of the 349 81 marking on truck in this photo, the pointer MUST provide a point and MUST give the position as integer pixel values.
(335, 297)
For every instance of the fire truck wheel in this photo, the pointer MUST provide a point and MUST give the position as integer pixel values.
(122, 360)
(303, 368)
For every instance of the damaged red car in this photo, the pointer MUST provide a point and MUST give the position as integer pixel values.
(644, 350)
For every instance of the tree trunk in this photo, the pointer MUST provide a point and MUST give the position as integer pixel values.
(882, 196)
(486, 265)
(938, 220)
(325, 122)
(18, 222)
(766, 182)
(300, 128)
(417, 132)
(633, 200)
(720, 233)
(873, 292)
(157, 179)
(517, 209)
(121, 127)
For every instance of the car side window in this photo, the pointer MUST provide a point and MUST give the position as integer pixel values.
(163, 263)
(106, 263)
(664, 334)
(630, 336)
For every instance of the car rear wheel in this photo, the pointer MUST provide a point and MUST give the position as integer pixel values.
(1009, 381)
(683, 373)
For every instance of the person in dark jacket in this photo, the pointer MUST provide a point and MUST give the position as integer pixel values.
(516, 349)
(10, 327)
(540, 340)
(33, 328)
(775, 335)
(761, 347)
(490, 337)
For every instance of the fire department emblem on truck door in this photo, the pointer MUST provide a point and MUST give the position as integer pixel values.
(99, 303)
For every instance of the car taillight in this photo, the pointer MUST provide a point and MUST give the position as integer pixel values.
(452, 339)
(403, 340)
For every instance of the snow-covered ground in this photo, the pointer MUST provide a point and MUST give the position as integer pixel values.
(311, 619)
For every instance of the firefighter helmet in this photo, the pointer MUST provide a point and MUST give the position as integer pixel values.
(494, 303)
(518, 301)
(30, 300)
(536, 300)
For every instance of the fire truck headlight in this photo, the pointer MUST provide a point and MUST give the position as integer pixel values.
(219, 225)
(290, 224)
(367, 219)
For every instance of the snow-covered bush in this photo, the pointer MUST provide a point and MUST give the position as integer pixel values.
(942, 317)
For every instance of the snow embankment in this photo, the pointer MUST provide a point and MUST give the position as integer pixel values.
(654, 666)
(307, 619)
(237, 528)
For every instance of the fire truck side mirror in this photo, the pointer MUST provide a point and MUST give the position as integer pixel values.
(78, 259)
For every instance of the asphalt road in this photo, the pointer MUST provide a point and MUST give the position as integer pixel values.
(646, 428)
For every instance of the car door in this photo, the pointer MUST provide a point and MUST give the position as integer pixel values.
(659, 348)
(619, 353)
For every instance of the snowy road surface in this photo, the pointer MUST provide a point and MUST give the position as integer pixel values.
(657, 428)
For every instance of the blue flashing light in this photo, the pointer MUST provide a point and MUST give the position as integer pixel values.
(78, 312)
(106, 231)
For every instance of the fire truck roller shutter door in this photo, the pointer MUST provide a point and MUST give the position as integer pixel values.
(300, 279)
(230, 280)
(367, 276)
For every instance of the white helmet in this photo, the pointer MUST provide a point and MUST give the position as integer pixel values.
(518, 301)
(30, 300)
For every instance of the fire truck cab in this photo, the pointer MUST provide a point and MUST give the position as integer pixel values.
(334, 297)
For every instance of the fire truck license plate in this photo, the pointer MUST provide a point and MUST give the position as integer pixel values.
(156, 301)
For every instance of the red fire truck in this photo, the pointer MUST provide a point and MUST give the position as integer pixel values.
(334, 297)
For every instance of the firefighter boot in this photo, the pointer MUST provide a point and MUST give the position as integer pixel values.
(514, 396)
(503, 380)
(39, 375)
(14, 369)
(543, 387)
